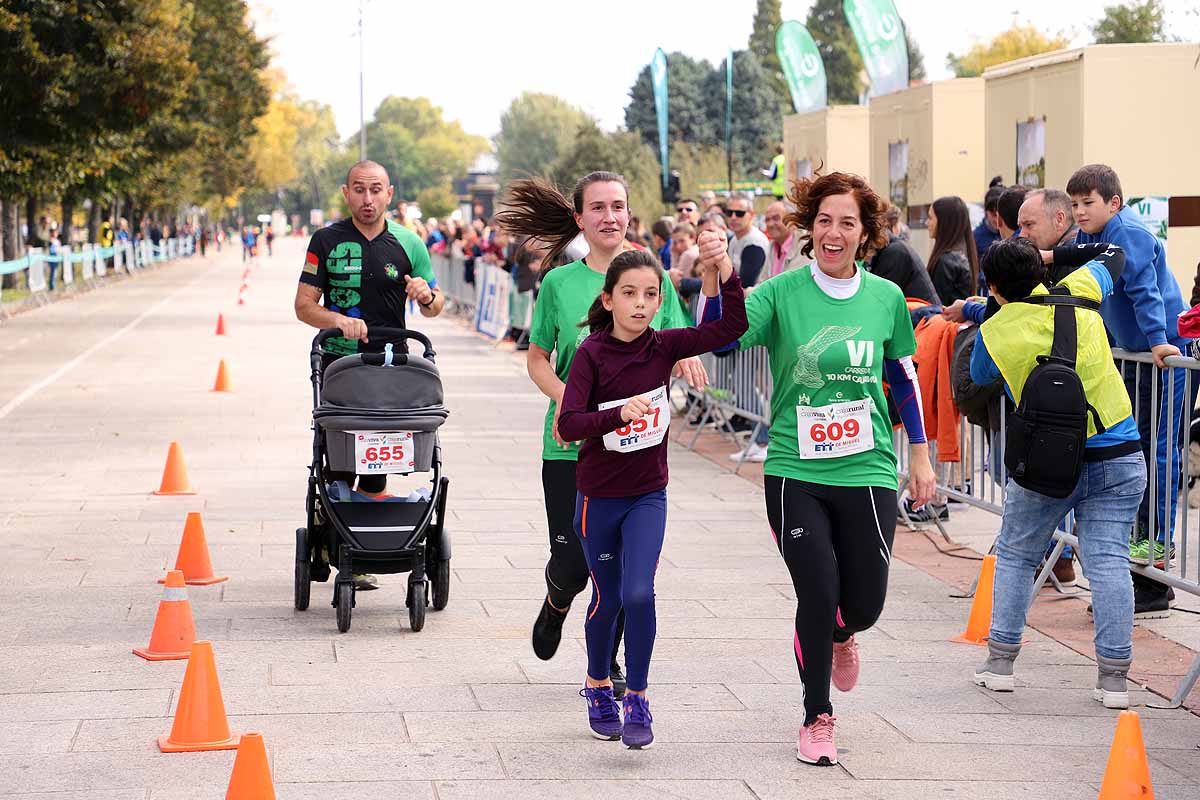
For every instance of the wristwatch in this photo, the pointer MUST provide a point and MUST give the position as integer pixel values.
(432, 297)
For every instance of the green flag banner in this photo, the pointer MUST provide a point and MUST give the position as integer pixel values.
(802, 66)
(880, 36)
(658, 78)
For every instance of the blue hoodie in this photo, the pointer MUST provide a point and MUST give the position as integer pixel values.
(1144, 307)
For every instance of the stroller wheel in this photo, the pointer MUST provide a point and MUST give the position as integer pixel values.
(303, 570)
(441, 584)
(416, 605)
(345, 604)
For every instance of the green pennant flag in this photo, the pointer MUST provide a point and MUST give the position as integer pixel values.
(658, 78)
(880, 36)
(802, 66)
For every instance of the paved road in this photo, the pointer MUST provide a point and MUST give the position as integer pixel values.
(94, 389)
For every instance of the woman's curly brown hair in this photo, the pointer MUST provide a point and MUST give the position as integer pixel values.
(807, 193)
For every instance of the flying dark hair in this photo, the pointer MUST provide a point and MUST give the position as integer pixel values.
(1099, 177)
(807, 193)
(1014, 267)
(599, 317)
(953, 233)
(534, 207)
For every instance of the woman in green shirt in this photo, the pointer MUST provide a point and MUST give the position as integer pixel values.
(834, 333)
(599, 210)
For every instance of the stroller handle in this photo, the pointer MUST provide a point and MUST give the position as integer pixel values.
(382, 334)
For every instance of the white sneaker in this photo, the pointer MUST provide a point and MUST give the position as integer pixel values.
(757, 453)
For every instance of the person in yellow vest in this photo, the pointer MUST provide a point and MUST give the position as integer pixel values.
(1105, 499)
(777, 173)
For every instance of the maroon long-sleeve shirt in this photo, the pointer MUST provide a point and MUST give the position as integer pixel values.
(621, 459)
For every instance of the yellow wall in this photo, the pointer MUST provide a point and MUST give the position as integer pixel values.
(1049, 86)
(943, 124)
(1131, 106)
(959, 123)
(832, 139)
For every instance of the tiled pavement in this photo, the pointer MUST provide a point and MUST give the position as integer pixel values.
(462, 709)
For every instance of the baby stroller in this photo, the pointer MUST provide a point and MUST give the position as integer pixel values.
(375, 413)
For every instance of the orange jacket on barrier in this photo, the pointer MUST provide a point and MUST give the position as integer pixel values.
(935, 353)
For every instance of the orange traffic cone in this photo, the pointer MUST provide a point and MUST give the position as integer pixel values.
(200, 722)
(220, 324)
(173, 633)
(242, 297)
(251, 778)
(175, 478)
(222, 383)
(193, 560)
(980, 622)
(1127, 775)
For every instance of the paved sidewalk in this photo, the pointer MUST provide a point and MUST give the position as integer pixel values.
(462, 709)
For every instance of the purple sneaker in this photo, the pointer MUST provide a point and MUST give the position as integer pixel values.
(604, 717)
(637, 734)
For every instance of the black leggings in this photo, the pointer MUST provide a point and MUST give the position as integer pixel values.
(837, 544)
(567, 570)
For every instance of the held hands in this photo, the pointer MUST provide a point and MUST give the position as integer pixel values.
(352, 328)
(417, 289)
(635, 409)
(714, 251)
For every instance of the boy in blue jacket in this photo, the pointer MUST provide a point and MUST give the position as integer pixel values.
(1141, 315)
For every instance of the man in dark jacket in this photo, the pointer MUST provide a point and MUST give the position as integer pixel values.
(900, 264)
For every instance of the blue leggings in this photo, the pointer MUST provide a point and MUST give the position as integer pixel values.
(622, 538)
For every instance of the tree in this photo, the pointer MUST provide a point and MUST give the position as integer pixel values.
(535, 129)
(756, 121)
(689, 120)
(916, 61)
(1018, 41)
(623, 152)
(417, 146)
(767, 20)
(82, 84)
(1131, 22)
(844, 71)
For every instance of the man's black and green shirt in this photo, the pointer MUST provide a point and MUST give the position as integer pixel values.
(365, 279)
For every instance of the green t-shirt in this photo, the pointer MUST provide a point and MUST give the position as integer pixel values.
(562, 303)
(365, 279)
(825, 351)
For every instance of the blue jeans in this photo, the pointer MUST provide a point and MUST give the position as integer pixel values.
(1105, 503)
(996, 468)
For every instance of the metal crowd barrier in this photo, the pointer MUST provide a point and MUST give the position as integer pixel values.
(978, 479)
(91, 261)
(491, 301)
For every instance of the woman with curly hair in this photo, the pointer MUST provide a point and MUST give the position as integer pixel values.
(834, 333)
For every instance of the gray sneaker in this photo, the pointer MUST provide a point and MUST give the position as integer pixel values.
(996, 674)
(1111, 687)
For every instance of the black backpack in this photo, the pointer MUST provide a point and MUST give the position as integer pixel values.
(1044, 446)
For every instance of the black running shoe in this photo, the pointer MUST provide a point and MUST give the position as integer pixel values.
(618, 679)
(547, 631)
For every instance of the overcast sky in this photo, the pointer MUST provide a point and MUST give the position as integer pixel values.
(472, 57)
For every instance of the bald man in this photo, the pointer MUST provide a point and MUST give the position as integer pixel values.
(366, 268)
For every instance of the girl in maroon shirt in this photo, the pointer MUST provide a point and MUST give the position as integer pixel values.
(616, 401)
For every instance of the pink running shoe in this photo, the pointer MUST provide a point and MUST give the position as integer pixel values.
(845, 664)
(816, 742)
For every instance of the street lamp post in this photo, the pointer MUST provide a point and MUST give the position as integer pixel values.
(363, 128)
